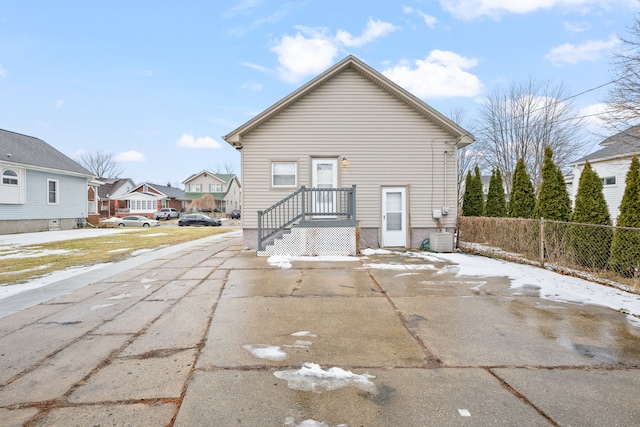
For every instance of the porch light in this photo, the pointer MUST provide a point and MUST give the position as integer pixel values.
(345, 162)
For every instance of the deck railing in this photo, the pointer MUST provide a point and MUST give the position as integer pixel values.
(320, 207)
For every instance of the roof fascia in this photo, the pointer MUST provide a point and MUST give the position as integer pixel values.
(48, 170)
(462, 137)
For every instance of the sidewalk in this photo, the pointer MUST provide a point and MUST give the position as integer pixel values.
(210, 335)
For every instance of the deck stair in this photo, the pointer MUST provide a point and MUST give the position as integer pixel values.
(310, 222)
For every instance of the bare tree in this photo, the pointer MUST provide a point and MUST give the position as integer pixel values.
(226, 169)
(101, 164)
(519, 123)
(468, 156)
(623, 99)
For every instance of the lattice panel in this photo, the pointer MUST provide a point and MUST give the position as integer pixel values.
(319, 241)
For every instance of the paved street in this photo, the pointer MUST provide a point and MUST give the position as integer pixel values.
(208, 334)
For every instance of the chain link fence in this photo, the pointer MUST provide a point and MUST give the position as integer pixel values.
(608, 254)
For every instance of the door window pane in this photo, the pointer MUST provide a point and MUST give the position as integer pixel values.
(394, 211)
(394, 221)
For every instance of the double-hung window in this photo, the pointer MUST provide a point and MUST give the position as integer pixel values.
(53, 191)
(284, 174)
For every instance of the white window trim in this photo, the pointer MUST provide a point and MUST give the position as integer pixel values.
(295, 173)
(57, 192)
(604, 181)
(15, 177)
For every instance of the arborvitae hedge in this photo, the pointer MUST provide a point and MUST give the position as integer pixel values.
(496, 202)
(625, 249)
(522, 200)
(590, 245)
(553, 198)
(473, 201)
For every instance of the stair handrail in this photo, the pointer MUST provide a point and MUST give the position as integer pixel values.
(296, 207)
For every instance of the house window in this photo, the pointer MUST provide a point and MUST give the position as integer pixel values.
(215, 188)
(10, 177)
(283, 174)
(53, 191)
(609, 180)
(196, 188)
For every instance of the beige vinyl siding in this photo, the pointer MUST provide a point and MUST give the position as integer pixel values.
(386, 142)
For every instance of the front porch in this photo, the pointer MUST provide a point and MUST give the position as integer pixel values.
(310, 222)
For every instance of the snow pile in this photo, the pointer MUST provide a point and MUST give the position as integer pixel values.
(311, 377)
(551, 285)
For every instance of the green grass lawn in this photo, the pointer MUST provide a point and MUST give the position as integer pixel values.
(26, 263)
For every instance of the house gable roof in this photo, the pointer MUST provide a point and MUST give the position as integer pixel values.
(222, 177)
(351, 63)
(110, 186)
(622, 144)
(30, 151)
(165, 190)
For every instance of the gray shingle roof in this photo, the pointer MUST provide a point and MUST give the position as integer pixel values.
(622, 144)
(29, 151)
(166, 190)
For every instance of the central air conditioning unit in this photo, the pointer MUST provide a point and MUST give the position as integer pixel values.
(441, 242)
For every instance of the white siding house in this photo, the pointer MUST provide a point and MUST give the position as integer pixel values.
(611, 163)
(225, 189)
(351, 126)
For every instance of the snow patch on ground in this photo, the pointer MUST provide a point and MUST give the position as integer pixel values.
(33, 253)
(400, 266)
(311, 377)
(10, 290)
(551, 285)
(284, 261)
(266, 351)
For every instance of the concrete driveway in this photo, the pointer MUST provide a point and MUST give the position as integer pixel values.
(208, 334)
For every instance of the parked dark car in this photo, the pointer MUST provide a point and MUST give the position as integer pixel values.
(235, 214)
(198, 219)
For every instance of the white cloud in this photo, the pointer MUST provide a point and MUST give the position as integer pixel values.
(252, 86)
(312, 50)
(188, 141)
(131, 157)
(441, 75)
(429, 20)
(300, 56)
(592, 50)
(576, 27)
(59, 103)
(3, 72)
(372, 31)
(592, 120)
(473, 9)
(256, 67)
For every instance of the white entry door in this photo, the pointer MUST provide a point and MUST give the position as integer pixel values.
(394, 217)
(324, 176)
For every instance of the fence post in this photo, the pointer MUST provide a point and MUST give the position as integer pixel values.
(541, 242)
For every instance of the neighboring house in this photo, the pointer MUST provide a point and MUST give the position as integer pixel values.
(225, 189)
(109, 192)
(349, 126)
(611, 163)
(41, 188)
(146, 199)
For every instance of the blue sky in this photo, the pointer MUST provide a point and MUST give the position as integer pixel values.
(157, 83)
